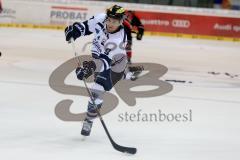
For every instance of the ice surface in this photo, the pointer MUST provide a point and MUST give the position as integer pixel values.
(29, 128)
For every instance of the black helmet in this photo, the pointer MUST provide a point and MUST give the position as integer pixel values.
(116, 12)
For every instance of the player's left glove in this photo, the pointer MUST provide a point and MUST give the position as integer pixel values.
(86, 70)
(140, 33)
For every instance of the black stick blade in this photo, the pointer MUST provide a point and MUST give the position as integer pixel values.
(123, 149)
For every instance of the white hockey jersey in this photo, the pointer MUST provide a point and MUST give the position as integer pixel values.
(105, 46)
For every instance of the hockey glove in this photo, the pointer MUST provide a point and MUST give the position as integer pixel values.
(140, 33)
(86, 70)
(72, 31)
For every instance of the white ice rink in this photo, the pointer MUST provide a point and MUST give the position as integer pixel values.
(30, 130)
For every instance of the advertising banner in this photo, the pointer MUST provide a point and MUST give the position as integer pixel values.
(190, 24)
(193, 23)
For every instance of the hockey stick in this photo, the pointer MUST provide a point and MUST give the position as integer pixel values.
(123, 149)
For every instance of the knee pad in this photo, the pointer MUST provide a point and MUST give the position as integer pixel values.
(104, 79)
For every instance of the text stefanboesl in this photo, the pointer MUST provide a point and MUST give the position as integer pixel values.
(158, 116)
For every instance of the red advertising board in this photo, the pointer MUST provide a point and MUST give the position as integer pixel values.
(190, 24)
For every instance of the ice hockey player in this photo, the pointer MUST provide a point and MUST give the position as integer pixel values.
(109, 56)
(131, 23)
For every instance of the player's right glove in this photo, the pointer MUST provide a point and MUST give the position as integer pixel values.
(86, 70)
(73, 31)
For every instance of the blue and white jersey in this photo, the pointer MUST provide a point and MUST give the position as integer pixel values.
(105, 46)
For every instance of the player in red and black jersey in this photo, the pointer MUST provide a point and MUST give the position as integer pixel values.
(132, 24)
